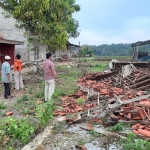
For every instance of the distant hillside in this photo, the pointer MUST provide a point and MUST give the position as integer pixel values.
(116, 49)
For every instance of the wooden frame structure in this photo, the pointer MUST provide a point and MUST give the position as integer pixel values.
(135, 48)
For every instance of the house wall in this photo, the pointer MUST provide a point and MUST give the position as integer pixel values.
(43, 52)
(10, 32)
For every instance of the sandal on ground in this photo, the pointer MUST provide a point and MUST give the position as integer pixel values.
(11, 96)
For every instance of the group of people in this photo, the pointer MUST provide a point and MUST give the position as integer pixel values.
(50, 76)
(7, 76)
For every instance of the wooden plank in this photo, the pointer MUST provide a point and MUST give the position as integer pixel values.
(136, 99)
(139, 83)
(114, 99)
(132, 122)
(141, 78)
(143, 105)
(102, 76)
(91, 92)
(118, 99)
(144, 87)
(111, 106)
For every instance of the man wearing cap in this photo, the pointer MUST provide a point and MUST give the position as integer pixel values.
(17, 73)
(6, 77)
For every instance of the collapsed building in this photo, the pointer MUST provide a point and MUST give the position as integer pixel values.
(120, 94)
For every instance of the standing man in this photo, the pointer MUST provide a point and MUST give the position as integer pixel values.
(17, 73)
(6, 77)
(49, 76)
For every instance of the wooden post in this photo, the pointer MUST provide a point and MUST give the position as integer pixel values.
(79, 55)
(136, 52)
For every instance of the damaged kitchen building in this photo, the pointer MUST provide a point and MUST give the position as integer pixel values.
(121, 94)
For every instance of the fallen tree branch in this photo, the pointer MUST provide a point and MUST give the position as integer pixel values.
(29, 63)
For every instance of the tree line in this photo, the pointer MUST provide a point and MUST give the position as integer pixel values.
(116, 49)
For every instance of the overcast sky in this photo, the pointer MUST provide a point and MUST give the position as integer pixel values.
(112, 21)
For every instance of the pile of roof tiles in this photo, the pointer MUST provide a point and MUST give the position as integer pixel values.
(70, 105)
(116, 94)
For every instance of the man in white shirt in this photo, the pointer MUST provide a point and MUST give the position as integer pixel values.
(6, 77)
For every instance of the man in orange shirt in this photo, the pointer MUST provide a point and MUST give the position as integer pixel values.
(17, 73)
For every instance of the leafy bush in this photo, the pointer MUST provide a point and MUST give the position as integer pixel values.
(2, 106)
(94, 133)
(45, 112)
(80, 101)
(98, 65)
(118, 127)
(23, 98)
(18, 129)
(40, 94)
(131, 143)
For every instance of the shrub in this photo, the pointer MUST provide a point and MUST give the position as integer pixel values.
(16, 128)
(23, 98)
(80, 101)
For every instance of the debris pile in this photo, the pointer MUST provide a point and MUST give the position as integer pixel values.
(118, 65)
(138, 79)
(111, 93)
(71, 106)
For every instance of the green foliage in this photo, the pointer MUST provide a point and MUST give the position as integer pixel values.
(80, 101)
(51, 20)
(94, 133)
(23, 98)
(98, 67)
(112, 50)
(30, 91)
(118, 127)
(84, 141)
(39, 94)
(117, 49)
(2, 106)
(26, 107)
(16, 128)
(86, 50)
(131, 143)
(45, 112)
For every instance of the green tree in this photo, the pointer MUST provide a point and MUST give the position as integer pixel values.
(86, 51)
(50, 20)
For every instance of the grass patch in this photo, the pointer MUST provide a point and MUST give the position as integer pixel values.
(23, 98)
(119, 127)
(98, 67)
(131, 143)
(84, 141)
(80, 101)
(2, 106)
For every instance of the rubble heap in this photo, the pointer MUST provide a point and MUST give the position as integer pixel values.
(111, 93)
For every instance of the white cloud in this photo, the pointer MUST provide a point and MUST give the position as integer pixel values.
(138, 23)
(93, 38)
(127, 36)
(133, 30)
